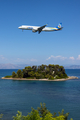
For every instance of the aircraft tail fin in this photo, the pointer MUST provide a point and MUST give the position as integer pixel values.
(59, 25)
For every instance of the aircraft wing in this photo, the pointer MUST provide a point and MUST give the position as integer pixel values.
(40, 28)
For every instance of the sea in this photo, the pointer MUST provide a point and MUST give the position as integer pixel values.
(20, 95)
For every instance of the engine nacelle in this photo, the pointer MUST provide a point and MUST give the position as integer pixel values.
(34, 30)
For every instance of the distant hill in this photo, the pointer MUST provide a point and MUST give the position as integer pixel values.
(12, 66)
(72, 67)
(22, 66)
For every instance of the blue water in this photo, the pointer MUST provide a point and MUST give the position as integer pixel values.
(22, 95)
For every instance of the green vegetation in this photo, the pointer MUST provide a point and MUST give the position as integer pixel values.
(49, 72)
(1, 115)
(19, 73)
(14, 75)
(8, 76)
(42, 113)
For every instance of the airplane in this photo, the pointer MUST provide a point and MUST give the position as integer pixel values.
(41, 28)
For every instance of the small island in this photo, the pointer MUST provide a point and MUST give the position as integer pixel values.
(49, 72)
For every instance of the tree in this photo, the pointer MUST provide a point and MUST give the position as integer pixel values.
(47, 70)
(19, 73)
(43, 110)
(14, 75)
(34, 68)
(25, 73)
(31, 74)
(37, 75)
(42, 71)
(29, 69)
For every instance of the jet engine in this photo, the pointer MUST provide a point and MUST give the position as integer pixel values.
(34, 30)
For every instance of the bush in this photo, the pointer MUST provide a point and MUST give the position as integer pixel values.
(1, 115)
(51, 77)
(61, 76)
(57, 77)
(42, 113)
(37, 75)
(47, 76)
(8, 76)
(65, 75)
(34, 115)
(43, 110)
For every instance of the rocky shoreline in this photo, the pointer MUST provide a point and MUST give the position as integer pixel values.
(63, 79)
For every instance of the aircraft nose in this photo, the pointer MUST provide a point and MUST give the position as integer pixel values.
(19, 27)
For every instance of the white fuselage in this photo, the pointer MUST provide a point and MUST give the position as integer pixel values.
(41, 28)
(25, 27)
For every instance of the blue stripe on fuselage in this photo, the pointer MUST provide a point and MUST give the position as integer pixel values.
(53, 28)
(30, 28)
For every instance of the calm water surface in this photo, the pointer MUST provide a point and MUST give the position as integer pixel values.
(22, 95)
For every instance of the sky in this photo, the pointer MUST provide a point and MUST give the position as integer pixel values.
(59, 47)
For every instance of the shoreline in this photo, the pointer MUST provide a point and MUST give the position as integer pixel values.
(63, 79)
